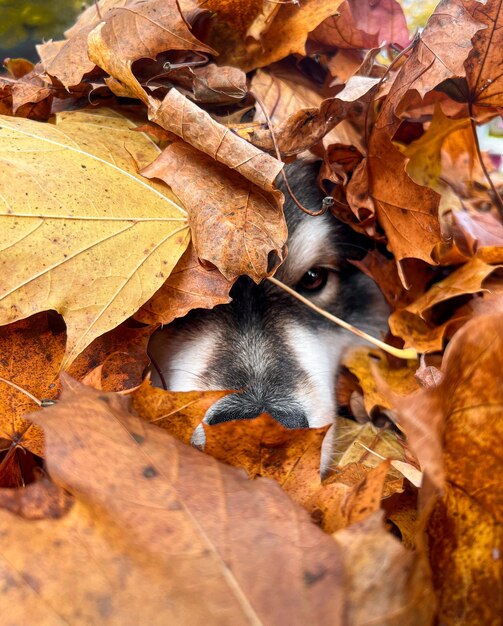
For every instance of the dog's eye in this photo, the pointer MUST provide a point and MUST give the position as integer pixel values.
(313, 280)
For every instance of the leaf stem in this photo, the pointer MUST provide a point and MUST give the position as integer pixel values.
(497, 197)
(409, 353)
(26, 393)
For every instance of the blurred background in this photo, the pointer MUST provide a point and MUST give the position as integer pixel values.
(25, 23)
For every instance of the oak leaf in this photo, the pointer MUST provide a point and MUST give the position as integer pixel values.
(76, 241)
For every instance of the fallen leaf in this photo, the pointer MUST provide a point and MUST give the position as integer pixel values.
(305, 128)
(235, 225)
(282, 91)
(366, 364)
(40, 500)
(372, 555)
(189, 286)
(210, 84)
(478, 234)
(424, 155)
(177, 412)
(128, 30)
(185, 119)
(439, 54)
(169, 523)
(263, 447)
(455, 431)
(407, 211)
(285, 34)
(362, 25)
(76, 240)
(367, 498)
(384, 273)
(468, 279)
(483, 65)
(120, 355)
(31, 357)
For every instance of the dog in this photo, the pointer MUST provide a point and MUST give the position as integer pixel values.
(280, 356)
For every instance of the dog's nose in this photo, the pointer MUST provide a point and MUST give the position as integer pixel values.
(240, 406)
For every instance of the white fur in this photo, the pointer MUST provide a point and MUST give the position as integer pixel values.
(308, 246)
(184, 359)
(318, 354)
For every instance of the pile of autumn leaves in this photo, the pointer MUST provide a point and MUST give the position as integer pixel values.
(135, 527)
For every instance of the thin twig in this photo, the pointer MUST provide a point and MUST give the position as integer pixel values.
(98, 10)
(324, 206)
(410, 47)
(407, 354)
(497, 197)
(26, 393)
(158, 370)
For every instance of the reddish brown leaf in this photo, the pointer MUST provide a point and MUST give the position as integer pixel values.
(235, 225)
(185, 119)
(362, 25)
(283, 91)
(31, 353)
(367, 497)
(189, 286)
(265, 448)
(439, 54)
(130, 31)
(285, 33)
(468, 279)
(407, 212)
(40, 500)
(167, 518)
(480, 235)
(306, 127)
(371, 555)
(121, 354)
(455, 430)
(483, 66)
(178, 412)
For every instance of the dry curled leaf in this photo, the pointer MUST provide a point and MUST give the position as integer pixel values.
(178, 115)
(415, 324)
(128, 30)
(235, 225)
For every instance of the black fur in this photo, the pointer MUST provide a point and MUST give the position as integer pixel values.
(253, 354)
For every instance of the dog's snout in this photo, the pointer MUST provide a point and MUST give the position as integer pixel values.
(239, 406)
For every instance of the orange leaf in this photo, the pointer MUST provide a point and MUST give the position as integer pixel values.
(189, 286)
